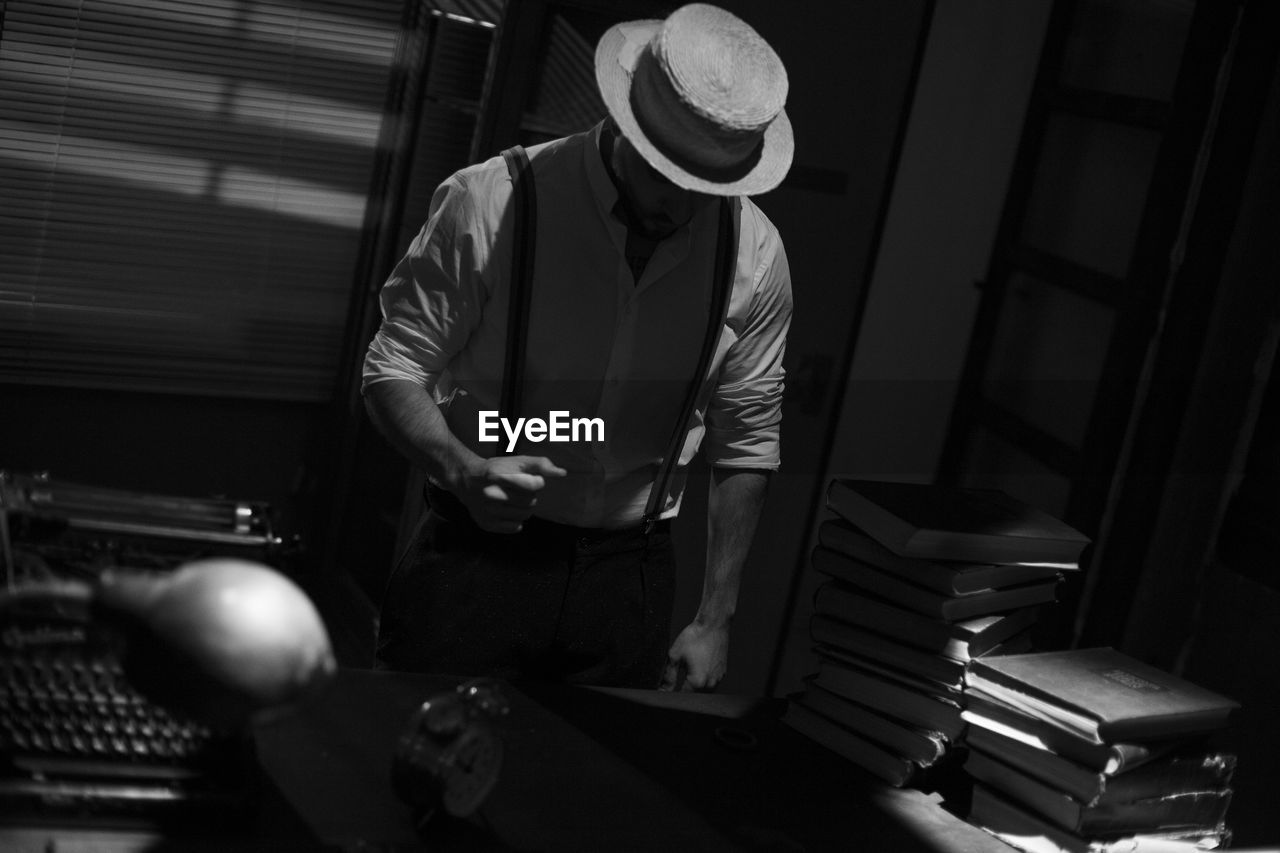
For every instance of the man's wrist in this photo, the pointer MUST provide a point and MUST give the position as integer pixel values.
(714, 620)
(462, 469)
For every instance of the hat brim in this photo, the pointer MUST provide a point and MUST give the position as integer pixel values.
(616, 55)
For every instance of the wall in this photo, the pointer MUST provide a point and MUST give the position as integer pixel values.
(965, 121)
(1208, 602)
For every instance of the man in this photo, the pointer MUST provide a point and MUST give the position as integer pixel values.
(555, 560)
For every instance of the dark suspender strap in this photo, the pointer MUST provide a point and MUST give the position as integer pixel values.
(525, 207)
(721, 290)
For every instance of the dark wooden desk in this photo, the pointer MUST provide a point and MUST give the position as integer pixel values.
(611, 770)
(781, 793)
(585, 770)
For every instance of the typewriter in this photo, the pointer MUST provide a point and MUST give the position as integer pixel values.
(77, 742)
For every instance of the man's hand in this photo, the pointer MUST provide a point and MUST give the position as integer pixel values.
(697, 659)
(500, 493)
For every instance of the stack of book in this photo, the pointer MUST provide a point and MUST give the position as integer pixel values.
(1089, 750)
(920, 580)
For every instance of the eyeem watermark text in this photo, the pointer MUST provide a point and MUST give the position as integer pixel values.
(557, 427)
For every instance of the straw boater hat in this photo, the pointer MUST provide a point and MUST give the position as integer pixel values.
(700, 96)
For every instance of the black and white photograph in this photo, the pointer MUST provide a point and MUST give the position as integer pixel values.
(636, 425)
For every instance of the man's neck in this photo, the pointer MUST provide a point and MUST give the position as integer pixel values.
(640, 245)
(624, 210)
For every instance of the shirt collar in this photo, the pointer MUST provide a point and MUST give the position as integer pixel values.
(602, 188)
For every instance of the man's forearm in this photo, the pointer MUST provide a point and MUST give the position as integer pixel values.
(735, 501)
(408, 417)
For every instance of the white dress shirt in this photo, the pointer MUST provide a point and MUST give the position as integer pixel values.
(600, 344)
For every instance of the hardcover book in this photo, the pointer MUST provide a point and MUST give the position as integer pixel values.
(925, 601)
(922, 747)
(1100, 694)
(903, 678)
(983, 711)
(923, 710)
(1184, 810)
(875, 759)
(1023, 829)
(935, 522)
(944, 576)
(831, 632)
(962, 640)
(1177, 773)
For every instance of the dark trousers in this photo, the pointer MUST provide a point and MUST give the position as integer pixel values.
(550, 603)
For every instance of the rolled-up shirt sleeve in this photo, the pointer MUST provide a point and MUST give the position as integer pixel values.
(744, 417)
(433, 299)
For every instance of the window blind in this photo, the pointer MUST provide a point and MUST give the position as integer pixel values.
(184, 190)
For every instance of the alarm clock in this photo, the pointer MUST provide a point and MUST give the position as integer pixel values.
(451, 751)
